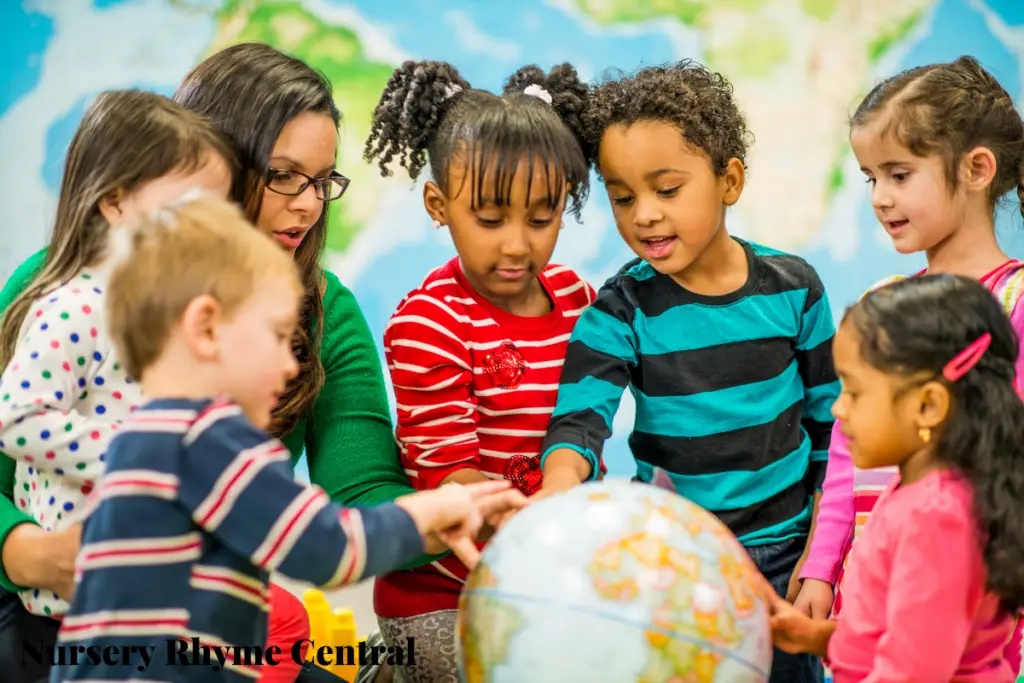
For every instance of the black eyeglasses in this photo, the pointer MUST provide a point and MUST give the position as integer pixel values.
(291, 183)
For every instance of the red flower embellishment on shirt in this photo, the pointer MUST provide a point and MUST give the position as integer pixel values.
(524, 473)
(505, 366)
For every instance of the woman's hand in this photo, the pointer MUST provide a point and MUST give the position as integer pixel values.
(36, 558)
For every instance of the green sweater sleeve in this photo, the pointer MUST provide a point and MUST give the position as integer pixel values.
(10, 515)
(350, 443)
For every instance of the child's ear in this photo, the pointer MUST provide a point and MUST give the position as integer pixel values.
(732, 181)
(110, 207)
(199, 325)
(934, 406)
(978, 169)
(435, 202)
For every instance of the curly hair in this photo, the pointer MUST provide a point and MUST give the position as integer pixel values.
(429, 114)
(250, 92)
(915, 327)
(686, 94)
(948, 110)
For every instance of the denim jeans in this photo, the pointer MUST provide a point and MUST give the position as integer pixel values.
(776, 562)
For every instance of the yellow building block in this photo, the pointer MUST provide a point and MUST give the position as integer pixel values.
(335, 629)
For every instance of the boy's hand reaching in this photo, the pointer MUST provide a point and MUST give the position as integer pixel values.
(455, 513)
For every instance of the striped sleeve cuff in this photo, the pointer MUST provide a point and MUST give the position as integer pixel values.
(391, 538)
(587, 454)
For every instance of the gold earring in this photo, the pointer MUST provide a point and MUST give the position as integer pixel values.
(925, 433)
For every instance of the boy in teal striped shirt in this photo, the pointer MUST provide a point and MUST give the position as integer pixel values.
(726, 345)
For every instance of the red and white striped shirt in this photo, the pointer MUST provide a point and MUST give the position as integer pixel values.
(475, 387)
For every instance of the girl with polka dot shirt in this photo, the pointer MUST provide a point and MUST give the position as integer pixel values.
(63, 390)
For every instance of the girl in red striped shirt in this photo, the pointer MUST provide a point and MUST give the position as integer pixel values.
(476, 351)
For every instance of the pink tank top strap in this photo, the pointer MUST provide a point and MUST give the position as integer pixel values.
(992, 278)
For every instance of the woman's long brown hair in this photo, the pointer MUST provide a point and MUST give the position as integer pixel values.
(250, 92)
(126, 139)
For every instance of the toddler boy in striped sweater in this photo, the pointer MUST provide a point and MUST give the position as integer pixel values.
(198, 505)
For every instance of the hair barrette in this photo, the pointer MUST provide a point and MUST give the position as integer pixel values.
(534, 90)
(967, 359)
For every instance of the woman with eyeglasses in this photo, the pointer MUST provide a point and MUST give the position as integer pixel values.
(279, 114)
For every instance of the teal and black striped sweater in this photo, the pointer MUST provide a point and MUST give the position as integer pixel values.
(733, 393)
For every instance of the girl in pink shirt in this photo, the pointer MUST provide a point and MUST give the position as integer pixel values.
(939, 145)
(928, 369)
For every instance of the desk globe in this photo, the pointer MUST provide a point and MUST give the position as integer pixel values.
(614, 582)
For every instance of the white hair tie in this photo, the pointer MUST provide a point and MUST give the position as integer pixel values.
(535, 90)
(120, 244)
(122, 238)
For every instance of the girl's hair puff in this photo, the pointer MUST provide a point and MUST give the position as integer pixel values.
(126, 139)
(948, 110)
(251, 91)
(914, 328)
(429, 114)
(687, 95)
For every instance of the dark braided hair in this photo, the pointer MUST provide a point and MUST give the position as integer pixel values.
(429, 114)
(948, 110)
(686, 95)
(915, 327)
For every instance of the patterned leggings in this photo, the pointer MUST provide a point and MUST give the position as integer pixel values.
(435, 642)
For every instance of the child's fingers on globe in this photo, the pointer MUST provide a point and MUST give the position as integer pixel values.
(486, 488)
(545, 492)
(499, 506)
(504, 517)
(465, 550)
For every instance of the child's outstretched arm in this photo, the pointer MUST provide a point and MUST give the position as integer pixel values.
(836, 514)
(431, 370)
(602, 349)
(56, 361)
(238, 485)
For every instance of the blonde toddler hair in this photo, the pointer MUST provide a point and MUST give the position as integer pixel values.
(200, 246)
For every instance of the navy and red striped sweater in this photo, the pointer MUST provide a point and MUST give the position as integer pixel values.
(196, 508)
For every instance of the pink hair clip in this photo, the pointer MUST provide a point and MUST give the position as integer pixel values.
(967, 359)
